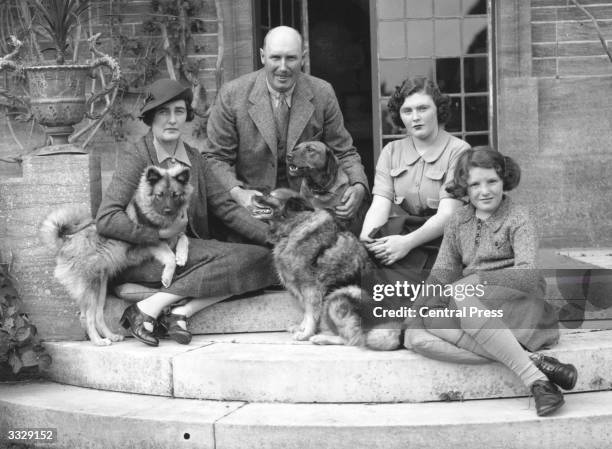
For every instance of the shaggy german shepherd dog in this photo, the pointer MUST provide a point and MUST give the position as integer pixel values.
(86, 260)
(321, 266)
(323, 180)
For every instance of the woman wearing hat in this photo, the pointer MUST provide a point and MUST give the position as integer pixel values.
(214, 270)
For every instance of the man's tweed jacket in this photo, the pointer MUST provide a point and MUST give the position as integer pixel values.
(241, 141)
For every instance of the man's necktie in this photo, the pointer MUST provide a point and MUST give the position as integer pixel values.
(282, 116)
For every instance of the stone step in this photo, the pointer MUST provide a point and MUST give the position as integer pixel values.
(108, 420)
(271, 367)
(271, 311)
(267, 311)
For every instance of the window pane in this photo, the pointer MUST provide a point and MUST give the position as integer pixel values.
(475, 74)
(392, 42)
(392, 73)
(447, 8)
(475, 35)
(448, 75)
(420, 38)
(476, 114)
(418, 8)
(448, 37)
(479, 139)
(388, 127)
(473, 7)
(420, 67)
(390, 9)
(454, 124)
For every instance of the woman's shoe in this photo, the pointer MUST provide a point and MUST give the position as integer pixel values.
(133, 319)
(548, 398)
(563, 374)
(175, 331)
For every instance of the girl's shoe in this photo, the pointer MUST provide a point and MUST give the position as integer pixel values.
(548, 398)
(563, 374)
(133, 319)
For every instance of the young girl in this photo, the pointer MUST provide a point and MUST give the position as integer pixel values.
(489, 250)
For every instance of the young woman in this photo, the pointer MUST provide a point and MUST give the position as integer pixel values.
(489, 249)
(410, 205)
(214, 270)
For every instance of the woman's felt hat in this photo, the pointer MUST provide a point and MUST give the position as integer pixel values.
(162, 91)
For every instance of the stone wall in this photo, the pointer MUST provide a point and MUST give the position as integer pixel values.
(130, 15)
(48, 182)
(555, 115)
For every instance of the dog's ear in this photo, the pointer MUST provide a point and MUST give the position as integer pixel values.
(331, 164)
(183, 176)
(153, 175)
(298, 204)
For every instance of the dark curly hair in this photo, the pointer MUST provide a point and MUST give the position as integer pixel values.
(483, 157)
(187, 95)
(416, 85)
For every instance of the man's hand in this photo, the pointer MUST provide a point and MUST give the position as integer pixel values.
(248, 199)
(244, 197)
(175, 229)
(350, 201)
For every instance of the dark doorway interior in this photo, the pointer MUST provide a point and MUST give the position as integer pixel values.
(339, 37)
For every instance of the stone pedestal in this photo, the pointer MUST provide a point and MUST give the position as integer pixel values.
(48, 182)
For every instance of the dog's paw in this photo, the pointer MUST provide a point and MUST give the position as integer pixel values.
(302, 335)
(318, 339)
(115, 337)
(102, 342)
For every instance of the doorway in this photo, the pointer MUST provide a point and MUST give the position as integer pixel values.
(338, 42)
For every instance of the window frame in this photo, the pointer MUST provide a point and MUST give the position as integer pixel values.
(377, 97)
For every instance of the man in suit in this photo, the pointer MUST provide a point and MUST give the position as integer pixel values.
(258, 118)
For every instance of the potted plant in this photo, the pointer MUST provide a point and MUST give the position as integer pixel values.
(21, 353)
(57, 90)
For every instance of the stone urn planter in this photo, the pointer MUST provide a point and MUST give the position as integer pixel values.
(57, 93)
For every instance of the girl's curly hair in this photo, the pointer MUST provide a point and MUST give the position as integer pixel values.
(416, 85)
(483, 157)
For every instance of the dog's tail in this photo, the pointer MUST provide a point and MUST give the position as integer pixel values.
(383, 339)
(344, 307)
(61, 223)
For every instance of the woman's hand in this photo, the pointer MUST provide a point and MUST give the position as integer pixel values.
(390, 249)
(177, 228)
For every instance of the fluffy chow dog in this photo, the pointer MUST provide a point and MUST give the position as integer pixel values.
(311, 254)
(86, 260)
(323, 180)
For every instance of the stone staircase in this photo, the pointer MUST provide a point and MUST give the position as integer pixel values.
(249, 385)
(244, 383)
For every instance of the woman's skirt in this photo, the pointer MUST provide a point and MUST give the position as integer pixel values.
(529, 317)
(213, 269)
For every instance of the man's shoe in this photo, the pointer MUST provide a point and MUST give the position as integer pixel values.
(563, 374)
(133, 319)
(548, 398)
